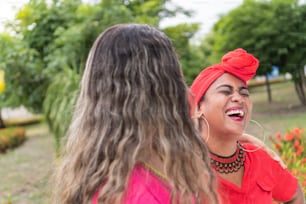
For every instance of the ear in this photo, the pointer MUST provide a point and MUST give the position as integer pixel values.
(199, 110)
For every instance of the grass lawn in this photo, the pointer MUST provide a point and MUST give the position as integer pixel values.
(283, 113)
(25, 171)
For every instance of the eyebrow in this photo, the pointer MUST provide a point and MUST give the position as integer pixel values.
(231, 87)
(225, 85)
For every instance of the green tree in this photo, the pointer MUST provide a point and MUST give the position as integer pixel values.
(190, 56)
(24, 59)
(52, 42)
(20, 65)
(71, 33)
(60, 99)
(58, 34)
(271, 30)
(294, 52)
(5, 42)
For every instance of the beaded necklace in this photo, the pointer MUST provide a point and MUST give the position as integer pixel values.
(228, 164)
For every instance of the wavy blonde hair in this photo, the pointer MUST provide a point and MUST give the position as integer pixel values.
(132, 104)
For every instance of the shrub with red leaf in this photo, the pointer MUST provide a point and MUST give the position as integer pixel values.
(11, 137)
(291, 148)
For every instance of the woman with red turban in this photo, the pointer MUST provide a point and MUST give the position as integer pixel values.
(246, 174)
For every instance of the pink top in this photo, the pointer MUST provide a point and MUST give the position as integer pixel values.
(263, 180)
(144, 187)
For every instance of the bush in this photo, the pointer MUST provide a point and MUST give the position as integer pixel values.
(59, 103)
(11, 137)
(291, 147)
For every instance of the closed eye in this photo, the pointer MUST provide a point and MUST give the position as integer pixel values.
(226, 92)
(244, 92)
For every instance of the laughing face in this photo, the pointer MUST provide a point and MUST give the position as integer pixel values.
(227, 106)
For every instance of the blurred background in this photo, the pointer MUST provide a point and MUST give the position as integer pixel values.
(44, 45)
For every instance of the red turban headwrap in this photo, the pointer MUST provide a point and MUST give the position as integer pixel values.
(238, 63)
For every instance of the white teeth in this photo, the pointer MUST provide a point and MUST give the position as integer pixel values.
(240, 113)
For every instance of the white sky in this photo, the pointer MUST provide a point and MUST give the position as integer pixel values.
(206, 11)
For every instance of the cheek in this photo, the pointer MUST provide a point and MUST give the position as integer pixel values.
(214, 104)
(249, 105)
(208, 107)
(213, 111)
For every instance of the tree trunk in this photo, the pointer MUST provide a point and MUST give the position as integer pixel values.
(299, 88)
(268, 89)
(304, 75)
(1, 121)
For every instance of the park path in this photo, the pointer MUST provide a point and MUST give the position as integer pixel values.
(25, 171)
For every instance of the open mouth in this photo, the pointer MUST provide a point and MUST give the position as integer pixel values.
(237, 114)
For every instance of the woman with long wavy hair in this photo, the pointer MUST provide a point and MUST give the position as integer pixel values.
(131, 139)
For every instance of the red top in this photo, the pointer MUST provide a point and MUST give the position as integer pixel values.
(264, 180)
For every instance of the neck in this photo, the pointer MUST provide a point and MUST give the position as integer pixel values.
(220, 142)
(222, 146)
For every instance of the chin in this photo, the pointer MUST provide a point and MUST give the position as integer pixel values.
(235, 132)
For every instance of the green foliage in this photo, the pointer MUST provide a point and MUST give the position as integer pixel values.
(268, 29)
(27, 73)
(248, 27)
(11, 137)
(21, 65)
(152, 11)
(206, 47)
(52, 41)
(271, 30)
(191, 57)
(76, 40)
(57, 34)
(59, 103)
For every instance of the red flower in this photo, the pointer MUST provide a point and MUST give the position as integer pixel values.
(304, 183)
(296, 144)
(298, 131)
(289, 137)
(278, 136)
(278, 147)
(299, 150)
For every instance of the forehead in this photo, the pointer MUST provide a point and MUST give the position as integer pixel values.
(227, 79)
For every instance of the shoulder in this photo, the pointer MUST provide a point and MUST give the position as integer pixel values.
(256, 152)
(145, 187)
(259, 157)
(260, 162)
(271, 176)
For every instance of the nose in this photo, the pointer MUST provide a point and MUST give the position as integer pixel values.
(236, 97)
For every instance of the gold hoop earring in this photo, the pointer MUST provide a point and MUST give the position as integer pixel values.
(262, 141)
(207, 124)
